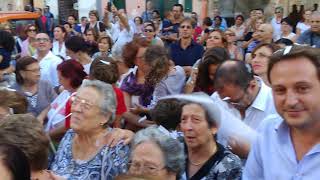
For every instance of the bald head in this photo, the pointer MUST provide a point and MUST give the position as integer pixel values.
(265, 32)
(233, 72)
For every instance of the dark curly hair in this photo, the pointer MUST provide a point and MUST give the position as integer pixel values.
(157, 57)
(7, 40)
(130, 50)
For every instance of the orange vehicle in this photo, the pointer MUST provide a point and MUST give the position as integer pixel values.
(18, 19)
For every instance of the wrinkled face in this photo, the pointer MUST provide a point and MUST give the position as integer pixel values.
(58, 33)
(149, 32)
(144, 161)
(194, 126)
(296, 92)
(65, 82)
(32, 32)
(5, 172)
(71, 20)
(315, 23)
(31, 73)
(285, 27)
(214, 40)
(176, 12)
(264, 32)
(103, 45)
(86, 111)
(185, 30)
(230, 36)
(43, 42)
(260, 60)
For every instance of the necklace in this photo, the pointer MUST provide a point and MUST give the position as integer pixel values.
(198, 164)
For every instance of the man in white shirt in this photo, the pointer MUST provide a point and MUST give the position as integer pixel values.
(236, 84)
(276, 23)
(47, 60)
(289, 145)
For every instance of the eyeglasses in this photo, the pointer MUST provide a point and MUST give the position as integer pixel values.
(33, 70)
(42, 40)
(84, 104)
(187, 27)
(148, 30)
(230, 34)
(32, 30)
(145, 168)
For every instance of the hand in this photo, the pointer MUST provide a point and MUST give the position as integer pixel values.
(112, 138)
(138, 109)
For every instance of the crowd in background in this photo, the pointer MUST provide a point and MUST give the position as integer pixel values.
(161, 98)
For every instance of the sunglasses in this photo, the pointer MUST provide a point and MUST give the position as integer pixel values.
(32, 30)
(187, 27)
(148, 30)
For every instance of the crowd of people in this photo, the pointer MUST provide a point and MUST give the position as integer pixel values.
(170, 99)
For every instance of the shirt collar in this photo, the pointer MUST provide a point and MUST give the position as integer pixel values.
(260, 102)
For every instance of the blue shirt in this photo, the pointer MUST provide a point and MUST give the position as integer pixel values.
(310, 38)
(272, 155)
(188, 56)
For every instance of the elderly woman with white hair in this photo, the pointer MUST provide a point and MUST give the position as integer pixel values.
(206, 158)
(156, 153)
(82, 153)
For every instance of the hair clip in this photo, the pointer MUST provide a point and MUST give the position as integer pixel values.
(249, 69)
(105, 62)
(287, 50)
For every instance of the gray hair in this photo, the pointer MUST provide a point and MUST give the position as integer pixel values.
(172, 149)
(108, 102)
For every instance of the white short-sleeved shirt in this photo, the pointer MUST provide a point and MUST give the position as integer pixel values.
(48, 68)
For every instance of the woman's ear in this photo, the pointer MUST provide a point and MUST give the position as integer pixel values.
(214, 130)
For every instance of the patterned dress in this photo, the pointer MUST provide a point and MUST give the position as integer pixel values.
(223, 165)
(108, 162)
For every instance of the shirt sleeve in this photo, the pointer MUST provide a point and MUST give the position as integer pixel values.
(253, 168)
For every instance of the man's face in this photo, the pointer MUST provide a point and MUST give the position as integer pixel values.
(315, 23)
(185, 30)
(239, 97)
(264, 32)
(296, 92)
(176, 11)
(259, 13)
(279, 13)
(43, 42)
